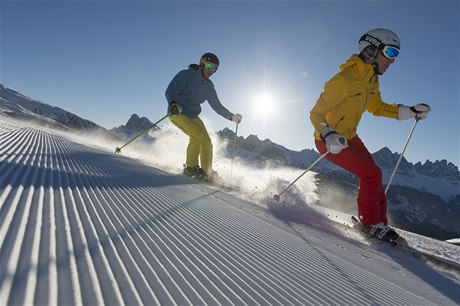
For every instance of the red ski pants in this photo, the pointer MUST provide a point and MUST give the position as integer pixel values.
(372, 203)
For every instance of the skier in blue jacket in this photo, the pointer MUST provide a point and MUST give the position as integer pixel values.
(185, 94)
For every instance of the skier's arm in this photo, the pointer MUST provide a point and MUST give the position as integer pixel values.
(214, 102)
(176, 86)
(380, 108)
(334, 92)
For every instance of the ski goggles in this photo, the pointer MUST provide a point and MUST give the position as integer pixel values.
(390, 52)
(209, 66)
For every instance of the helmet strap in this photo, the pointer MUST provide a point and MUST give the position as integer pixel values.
(369, 54)
(202, 71)
(376, 69)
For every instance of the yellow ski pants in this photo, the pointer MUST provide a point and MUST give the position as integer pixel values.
(199, 145)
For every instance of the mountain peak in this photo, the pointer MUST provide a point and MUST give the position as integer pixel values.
(134, 126)
(136, 122)
(265, 150)
(386, 159)
(439, 168)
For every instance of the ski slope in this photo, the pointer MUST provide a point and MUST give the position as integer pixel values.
(81, 225)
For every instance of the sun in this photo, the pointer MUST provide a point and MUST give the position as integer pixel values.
(264, 104)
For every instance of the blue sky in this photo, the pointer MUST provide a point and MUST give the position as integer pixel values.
(105, 60)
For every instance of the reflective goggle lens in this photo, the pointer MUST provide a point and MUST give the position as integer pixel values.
(390, 52)
(211, 67)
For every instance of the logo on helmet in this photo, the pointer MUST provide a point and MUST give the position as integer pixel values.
(372, 40)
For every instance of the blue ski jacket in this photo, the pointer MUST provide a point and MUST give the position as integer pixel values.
(190, 89)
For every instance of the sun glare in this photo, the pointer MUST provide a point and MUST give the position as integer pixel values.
(264, 104)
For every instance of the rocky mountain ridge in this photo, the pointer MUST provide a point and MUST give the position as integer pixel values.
(265, 150)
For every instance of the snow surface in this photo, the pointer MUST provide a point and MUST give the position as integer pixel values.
(82, 225)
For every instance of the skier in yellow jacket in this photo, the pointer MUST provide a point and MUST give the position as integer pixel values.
(336, 115)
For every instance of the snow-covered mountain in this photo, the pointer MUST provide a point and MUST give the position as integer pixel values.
(134, 126)
(265, 151)
(17, 105)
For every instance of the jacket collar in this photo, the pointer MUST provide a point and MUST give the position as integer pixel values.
(197, 73)
(359, 67)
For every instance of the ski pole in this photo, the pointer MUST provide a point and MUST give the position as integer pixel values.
(277, 196)
(401, 156)
(118, 149)
(234, 148)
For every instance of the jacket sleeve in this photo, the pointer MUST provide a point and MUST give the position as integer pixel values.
(334, 92)
(379, 108)
(214, 101)
(176, 86)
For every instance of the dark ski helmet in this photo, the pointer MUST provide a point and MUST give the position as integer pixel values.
(210, 58)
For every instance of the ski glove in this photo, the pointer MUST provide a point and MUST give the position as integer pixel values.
(237, 118)
(174, 108)
(334, 141)
(418, 111)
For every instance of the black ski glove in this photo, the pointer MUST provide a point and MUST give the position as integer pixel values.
(174, 108)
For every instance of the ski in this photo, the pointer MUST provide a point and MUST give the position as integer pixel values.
(215, 181)
(402, 244)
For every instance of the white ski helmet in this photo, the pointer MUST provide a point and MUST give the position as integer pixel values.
(379, 38)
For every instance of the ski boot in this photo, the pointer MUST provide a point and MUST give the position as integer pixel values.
(194, 172)
(385, 233)
(380, 231)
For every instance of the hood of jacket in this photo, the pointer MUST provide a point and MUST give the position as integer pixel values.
(197, 73)
(359, 68)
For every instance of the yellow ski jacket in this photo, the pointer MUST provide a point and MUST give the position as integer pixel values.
(347, 96)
